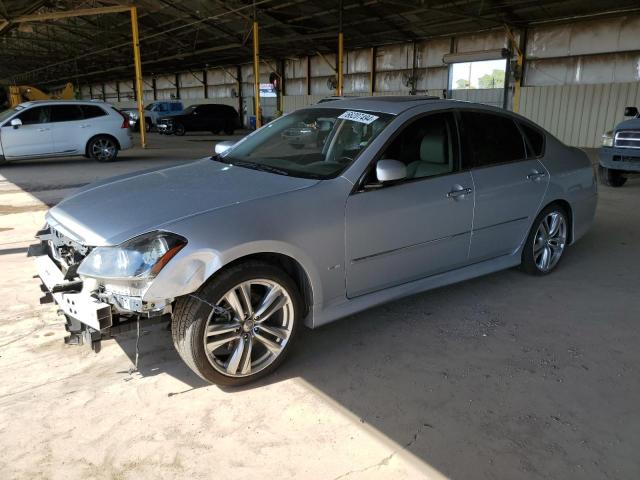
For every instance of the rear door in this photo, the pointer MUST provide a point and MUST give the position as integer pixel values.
(509, 183)
(33, 138)
(69, 128)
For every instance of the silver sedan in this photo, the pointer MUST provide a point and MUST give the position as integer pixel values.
(404, 194)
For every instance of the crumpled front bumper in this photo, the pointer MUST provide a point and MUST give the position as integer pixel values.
(79, 306)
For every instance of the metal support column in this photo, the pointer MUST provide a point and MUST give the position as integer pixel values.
(205, 83)
(256, 72)
(138, 68)
(372, 74)
(340, 54)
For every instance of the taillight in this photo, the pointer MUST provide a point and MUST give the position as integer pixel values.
(125, 121)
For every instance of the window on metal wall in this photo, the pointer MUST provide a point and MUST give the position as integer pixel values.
(484, 74)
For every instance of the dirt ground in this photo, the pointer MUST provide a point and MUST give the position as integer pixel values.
(501, 377)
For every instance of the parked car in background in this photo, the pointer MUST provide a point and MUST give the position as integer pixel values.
(405, 195)
(313, 134)
(153, 112)
(620, 151)
(210, 117)
(60, 128)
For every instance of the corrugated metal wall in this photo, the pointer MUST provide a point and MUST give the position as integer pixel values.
(578, 76)
(579, 114)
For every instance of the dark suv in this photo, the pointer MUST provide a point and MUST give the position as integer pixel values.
(201, 118)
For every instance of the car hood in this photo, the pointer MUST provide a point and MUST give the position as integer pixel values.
(112, 211)
(631, 124)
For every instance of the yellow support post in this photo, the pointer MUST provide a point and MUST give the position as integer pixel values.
(256, 74)
(138, 68)
(340, 58)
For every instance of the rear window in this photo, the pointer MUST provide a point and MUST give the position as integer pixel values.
(534, 139)
(65, 113)
(492, 139)
(92, 111)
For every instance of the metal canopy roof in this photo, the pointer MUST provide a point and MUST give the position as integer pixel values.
(194, 34)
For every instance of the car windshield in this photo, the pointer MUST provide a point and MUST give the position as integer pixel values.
(7, 113)
(311, 143)
(151, 106)
(189, 109)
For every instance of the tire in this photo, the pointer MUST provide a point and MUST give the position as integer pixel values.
(215, 132)
(545, 244)
(610, 177)
(229, 130)
(147, 124)
(226, 363)
(103, 148)
(179, 130)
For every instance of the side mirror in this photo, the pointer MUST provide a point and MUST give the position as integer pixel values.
(390, 170)
(631, 112)
(222, 147)
(16, 123)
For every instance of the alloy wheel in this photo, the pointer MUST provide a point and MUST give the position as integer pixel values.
(103, 149)
(250, 328)
(550, 241)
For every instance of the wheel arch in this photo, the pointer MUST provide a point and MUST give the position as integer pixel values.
(566, 206)
(86, 147)
(289, 264)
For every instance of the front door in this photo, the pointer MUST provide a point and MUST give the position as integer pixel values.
(417, 227)
(32, 139)
(509, 186)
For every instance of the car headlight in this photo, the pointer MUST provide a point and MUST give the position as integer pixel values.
(607, 139)
(139, 258)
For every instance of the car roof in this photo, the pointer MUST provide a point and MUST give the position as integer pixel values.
(397, 104)
(32, 103)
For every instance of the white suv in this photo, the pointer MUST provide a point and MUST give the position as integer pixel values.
(55, 128)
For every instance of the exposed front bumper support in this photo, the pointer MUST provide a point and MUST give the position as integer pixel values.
(78, 306)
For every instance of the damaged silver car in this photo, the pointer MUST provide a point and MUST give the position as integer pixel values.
(404, 194)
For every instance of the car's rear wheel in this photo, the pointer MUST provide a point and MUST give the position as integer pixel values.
(240, 325)
(147, 124)
(103, 148)
(611, 177)
(179, 129)
(546, 242)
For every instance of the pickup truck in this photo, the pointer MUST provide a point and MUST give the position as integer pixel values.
(153, 112)
(620, 152)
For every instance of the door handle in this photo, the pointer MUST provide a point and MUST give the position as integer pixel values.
(85, 126)
(44, 129)
(536, 175)
(459, 193)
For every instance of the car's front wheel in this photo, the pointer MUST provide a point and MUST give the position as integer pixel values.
(102, 148)
(610, 177)
(240, 325)
(546, 242)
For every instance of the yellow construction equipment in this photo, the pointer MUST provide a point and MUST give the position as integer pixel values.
(25, 93)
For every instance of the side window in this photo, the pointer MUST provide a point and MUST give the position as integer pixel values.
(92, 111)
(491, 139)
(161, 107)
(35, 115)
(175, 107)
(65, 113)
(535, 140)
(427, 146)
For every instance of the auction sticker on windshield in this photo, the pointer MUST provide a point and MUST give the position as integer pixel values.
(360, 117)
